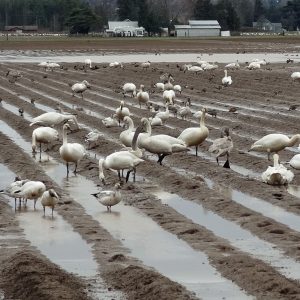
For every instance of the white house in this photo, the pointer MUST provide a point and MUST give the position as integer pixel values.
(197, 28)
(124, 28)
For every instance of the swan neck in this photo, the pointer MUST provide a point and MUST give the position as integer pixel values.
(148, 128)
(293, 140)
(225, 71)
(276, 160)
(33, 141)
(65, 138)
(202, 119)
(101, 163)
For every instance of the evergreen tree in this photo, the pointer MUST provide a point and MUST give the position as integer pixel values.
(227, 16)
(259, 9)
(128, 9)
(204, 10)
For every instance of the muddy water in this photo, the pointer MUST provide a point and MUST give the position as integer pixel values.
(238, 237)
(149, 243)
(175, 259)
(263, 207)
(164, 57)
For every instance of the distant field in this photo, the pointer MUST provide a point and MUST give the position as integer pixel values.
(211, 44)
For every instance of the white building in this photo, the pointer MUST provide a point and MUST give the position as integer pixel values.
(124, 28)
(197, 28)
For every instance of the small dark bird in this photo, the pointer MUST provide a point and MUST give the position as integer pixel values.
(45, 76)
(232, 109)
(212, 112)
(32, 101)
(289, 60)
(21, 111)
(293, 107)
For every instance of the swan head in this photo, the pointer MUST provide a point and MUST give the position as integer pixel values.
(53, 194)
(118, 186)
(122, 103)
(66, 127)
(204, 110)
(144, 124)
(86, 83)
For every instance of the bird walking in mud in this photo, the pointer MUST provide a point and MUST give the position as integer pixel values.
(109, 198)
(50, 199)
(80, 87)
(222, 147)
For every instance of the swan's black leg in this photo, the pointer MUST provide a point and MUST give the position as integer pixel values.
(197, 150)
(127, 176)
(217, 158)
(134, 171)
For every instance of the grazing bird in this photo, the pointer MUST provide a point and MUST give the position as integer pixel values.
(160, 144)
(71, 152)
(50, 199)
(160, 86)
(88, 63)
(116, 65)
(222, 146)
(185, 111)
(146, 65)
(194, 69)
(110, 122)
(51, 66)
(129, 88)
(109, 198)
(168, 85)
(122, 160)
(195, 136)
(177, 88)
(277, 174)
(92, 138)
(169, 96)
(13, 187)
(31, 190)
(163, 115)
(80, 87)
(253, 66)
(274, 142)
(295, 76)
(212, 112)
(53, 118)
(142, 96)
(43, 135)
(226, 80)
(233, 66)
(122, 112)
(293, 106)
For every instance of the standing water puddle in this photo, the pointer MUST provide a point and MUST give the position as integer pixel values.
(262, 207)
(237, 236)
(145, 238)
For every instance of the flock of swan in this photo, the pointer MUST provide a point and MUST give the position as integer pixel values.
(140, 139)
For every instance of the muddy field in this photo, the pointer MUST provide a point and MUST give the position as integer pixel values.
(187, 229)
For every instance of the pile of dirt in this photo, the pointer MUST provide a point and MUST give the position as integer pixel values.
(139, 283)
(26, 276)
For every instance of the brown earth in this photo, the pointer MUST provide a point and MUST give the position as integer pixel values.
(262, 99)
(207, 45)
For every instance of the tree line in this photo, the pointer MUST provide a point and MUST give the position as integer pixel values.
(81, 16)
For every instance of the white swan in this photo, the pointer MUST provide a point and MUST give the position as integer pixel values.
(260, 61)
(142, 96)
(50, 199)
(31, 190)
(226, 80)
(126, 136)
(194, 69)
(209, 66)
(194, 136)
(274, 142)
(295, 162)
(163, 115)
(122, 160)
(115, 64)
(92, 138)
(43, 135)
(233, 66)
(122, 112)
(129, 88)
(146, 65)
(168, 85)
(13, 187)
(53, 118)
(177, 88)
(80, 87)
(253, 66)
(88, 63)
(110, 122)
(221, 147)
(109, 198)
(295, 76)
(51, 66)
(169, 96)
(278, 174)
(160, 144)
(156, 121)
(71, 152)
(160, 86)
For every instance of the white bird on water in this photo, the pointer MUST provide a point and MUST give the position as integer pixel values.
(50, 199)
(71, 152)
(277, 174)
(80, 87)
(109, 198)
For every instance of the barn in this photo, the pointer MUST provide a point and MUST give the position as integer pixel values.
(124, 28)
(198, 28)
